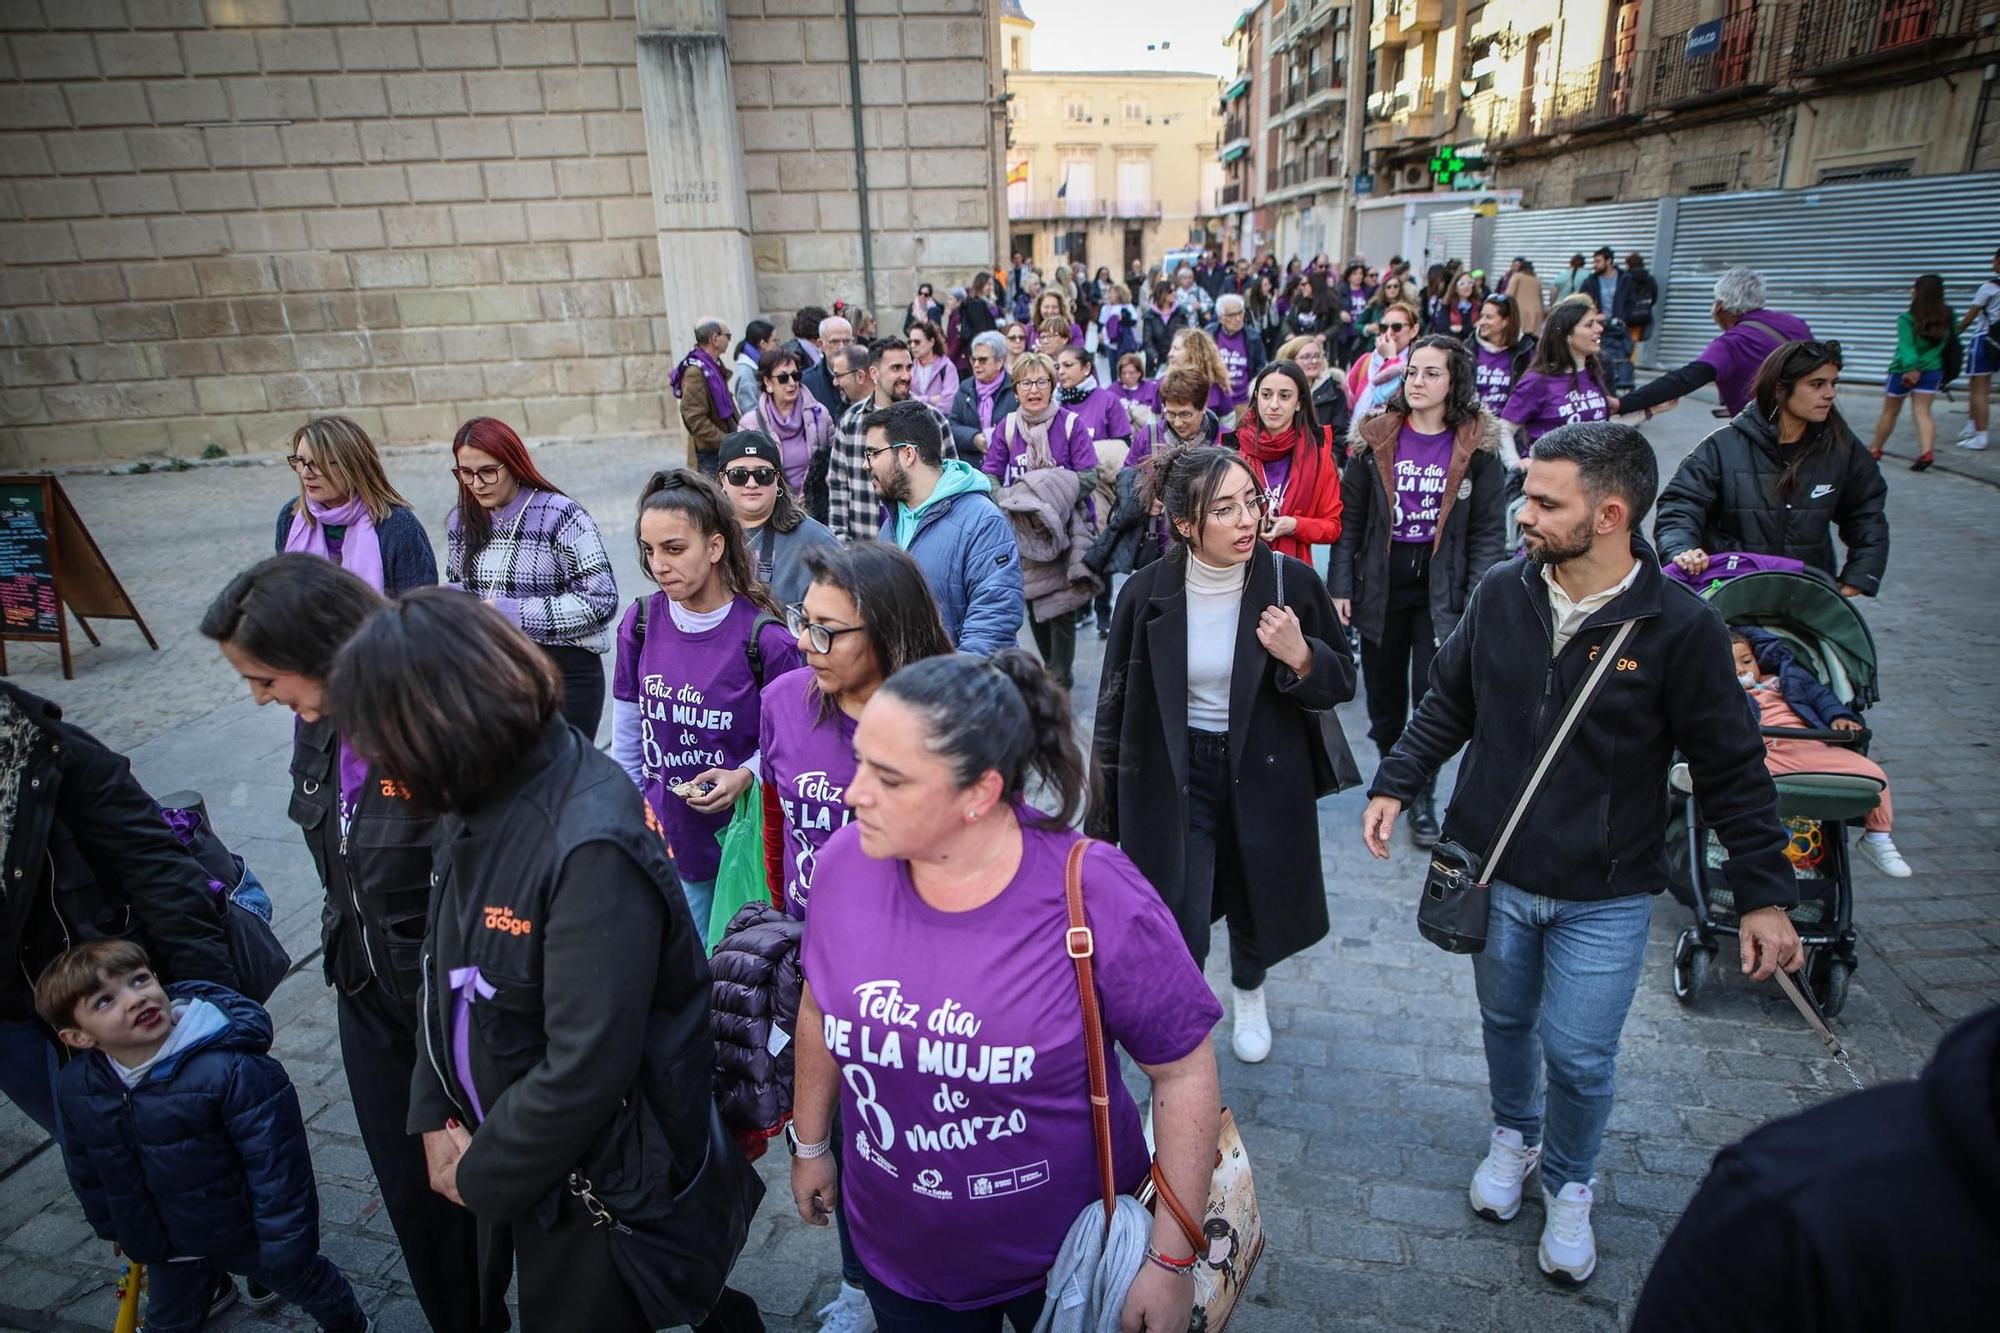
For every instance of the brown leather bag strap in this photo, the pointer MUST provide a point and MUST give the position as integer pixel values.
(1080, 944)
(1173, 1205)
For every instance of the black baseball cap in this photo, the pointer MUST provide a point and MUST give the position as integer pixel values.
(748, 444)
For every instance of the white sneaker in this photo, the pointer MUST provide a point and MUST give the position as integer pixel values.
(849, 1312)
(1568, 1251)
(1972, 440)
(1968, 430)
(1496, 1185)
(1252, 1041)
(1882, 851)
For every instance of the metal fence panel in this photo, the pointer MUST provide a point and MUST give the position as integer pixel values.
(1451, 237)
(1840, 257)
(1547, 237)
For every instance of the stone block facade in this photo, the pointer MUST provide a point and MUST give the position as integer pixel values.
(929, 74)
(219, 216)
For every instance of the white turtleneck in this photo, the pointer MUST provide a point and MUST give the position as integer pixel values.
(1214, 598)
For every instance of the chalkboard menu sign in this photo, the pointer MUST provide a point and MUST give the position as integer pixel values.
(28, 605)
(49, 564)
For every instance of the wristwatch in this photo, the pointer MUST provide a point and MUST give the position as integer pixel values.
(808, 1151)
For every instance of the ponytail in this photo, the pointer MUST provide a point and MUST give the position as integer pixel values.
(1001, 715)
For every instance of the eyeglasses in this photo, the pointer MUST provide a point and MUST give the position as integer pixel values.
(1825, 349)
(485, 476)
(868, 455)
(785, 377)
(306, 467)
(1229, 511)
(748, 476)
(819, 638)
(1037, 383)
(1428, 374)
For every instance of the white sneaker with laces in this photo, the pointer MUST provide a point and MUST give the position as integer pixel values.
(1496, 1185)
(1882, 851)
(1972, 440)
(1252, 1039)
(1568, 1251)
(849, 1312)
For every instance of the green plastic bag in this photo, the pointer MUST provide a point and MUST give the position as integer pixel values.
(740, 878)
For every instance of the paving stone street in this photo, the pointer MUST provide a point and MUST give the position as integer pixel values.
(1371, 1113)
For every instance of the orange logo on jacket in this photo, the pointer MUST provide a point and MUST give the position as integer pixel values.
(394, 790)
(503, 919)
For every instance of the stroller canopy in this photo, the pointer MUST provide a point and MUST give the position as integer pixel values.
(1809, 610)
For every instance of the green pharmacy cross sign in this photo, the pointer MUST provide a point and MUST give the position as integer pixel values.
(1446, 165)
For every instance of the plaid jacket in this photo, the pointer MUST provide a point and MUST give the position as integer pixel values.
(854, 510)
(544, 568)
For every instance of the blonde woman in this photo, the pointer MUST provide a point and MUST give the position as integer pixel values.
(347, 512)
(1053, 304)
(1196, 351)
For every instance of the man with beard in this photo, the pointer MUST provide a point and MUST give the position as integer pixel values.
(943, 515)
(1571, 898)
(852, 510)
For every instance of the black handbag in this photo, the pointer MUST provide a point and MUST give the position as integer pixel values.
(1458, 886)
(1333, 766)
(255, 952)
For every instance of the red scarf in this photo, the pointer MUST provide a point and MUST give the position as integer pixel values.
(1253, 440)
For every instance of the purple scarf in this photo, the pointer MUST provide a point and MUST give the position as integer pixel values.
(360, 549)
(467, 985)
(720, 400)
(987, 393)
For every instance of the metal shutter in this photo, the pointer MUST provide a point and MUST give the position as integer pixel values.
(1547, 237)
(1840, 257)
(1451, 238)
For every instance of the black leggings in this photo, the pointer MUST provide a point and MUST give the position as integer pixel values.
(1396, 668)
(1215, 883)
(1056, 641)
(582, 673)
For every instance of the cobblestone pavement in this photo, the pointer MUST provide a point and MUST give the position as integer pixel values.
(1368, 1118)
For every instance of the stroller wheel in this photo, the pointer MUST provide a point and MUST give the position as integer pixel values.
(1828, 975)
(1691, 963)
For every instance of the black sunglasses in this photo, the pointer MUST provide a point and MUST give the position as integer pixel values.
(784, 377)
(744, 476)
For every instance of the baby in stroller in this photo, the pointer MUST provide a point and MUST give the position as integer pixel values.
(1785, 694)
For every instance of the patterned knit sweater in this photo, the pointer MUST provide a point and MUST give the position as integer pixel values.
(544, 567)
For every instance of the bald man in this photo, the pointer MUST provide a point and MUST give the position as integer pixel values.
(835, 333)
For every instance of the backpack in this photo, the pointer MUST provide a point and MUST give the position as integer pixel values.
(241, 903)
(753, 651)
(1953, 360)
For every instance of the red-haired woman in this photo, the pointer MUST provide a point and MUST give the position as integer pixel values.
(536, 557)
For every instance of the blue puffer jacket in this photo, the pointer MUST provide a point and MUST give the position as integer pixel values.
(206, 1156)
(966, 548)
(1816, 705)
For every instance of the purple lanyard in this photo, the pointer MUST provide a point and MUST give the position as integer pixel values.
(466, 985)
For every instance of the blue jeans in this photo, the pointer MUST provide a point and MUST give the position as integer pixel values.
(28, 1071)
(177, 1293)
(1616, 353)
(897, 1313)
(700, 895)
(1555, 982)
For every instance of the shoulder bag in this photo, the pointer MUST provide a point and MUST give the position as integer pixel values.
(1228, 1236)
(1458, 888)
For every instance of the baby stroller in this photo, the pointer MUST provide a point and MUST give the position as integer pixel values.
(1828, 637)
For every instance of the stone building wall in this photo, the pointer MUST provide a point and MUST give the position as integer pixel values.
(929, 71)
(218, 218)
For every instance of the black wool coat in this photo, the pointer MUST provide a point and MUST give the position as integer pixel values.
(1285, 746)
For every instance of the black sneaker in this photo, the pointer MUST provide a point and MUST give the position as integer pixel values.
(257, 1296)
(1424, 830)
(222, 1295)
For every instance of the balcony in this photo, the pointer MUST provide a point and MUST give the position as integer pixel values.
(1317, 168)
(1509, 121)
(1422, 116)
(1422, 15)
(1232, 198)
(1077, 207)
(1602, 97)
(1754, 52)
(1307, 93)
(1841, 35)
(1385, 30)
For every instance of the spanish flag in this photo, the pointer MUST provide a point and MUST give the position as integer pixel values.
(1018, 173)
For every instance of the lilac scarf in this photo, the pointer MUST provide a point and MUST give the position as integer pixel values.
(360, 549)
(987, 393)
(720, 400)
(794, 437)
(466, 986)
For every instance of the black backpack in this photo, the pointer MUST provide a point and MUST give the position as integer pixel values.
(752, 650)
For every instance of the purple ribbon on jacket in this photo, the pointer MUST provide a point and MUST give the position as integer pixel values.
(467, 985)
(185, 824)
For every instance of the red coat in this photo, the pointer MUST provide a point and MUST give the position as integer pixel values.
(1312, 495)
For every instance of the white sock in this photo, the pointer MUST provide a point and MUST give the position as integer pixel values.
(1877, 835)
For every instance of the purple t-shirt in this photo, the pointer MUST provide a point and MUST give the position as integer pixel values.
(1069, 443)
(968, 1148)
(1541, 404)
(698, 710)
(1741, 350)
(1276, 473)
(1103, 415)
(808, 763)
(1495, 376)
(1421, 464)
(1236, 359)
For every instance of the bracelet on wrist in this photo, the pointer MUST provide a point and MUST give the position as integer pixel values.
(1178, 1267)
(806, 1151)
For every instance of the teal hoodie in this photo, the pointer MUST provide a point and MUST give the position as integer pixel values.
(957, 478)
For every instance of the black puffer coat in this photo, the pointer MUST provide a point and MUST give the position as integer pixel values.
(754, 989)
(1725, 498)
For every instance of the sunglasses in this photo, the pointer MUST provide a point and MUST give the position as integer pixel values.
(785, 377)
(1395, 328)
(748, 476)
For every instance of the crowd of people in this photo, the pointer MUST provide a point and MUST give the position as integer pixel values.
(516, 922)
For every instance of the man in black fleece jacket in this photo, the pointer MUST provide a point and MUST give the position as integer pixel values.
(1572, 897)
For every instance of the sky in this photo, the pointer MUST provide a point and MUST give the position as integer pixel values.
(1114, 34)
